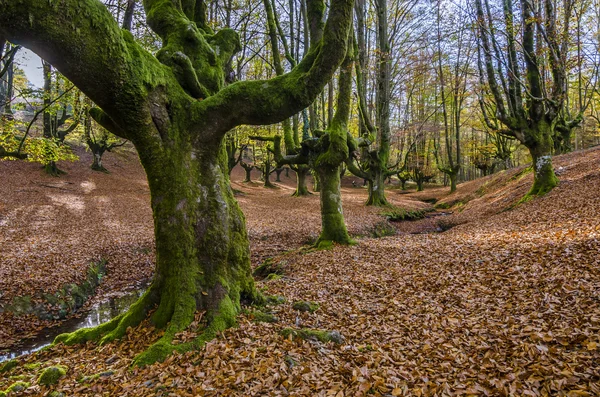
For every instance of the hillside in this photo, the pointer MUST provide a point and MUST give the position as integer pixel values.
(506, 301)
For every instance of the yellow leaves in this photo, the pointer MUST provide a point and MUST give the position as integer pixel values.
(592, 346)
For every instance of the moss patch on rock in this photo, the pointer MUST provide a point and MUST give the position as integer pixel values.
(269, 268)
(263, 317)
(323, 336)
(305, 306)
(51, 375)
(400, 214)
(274, 300)
(17, 387)
(7, 366)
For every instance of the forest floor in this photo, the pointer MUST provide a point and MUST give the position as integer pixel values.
(482, 297)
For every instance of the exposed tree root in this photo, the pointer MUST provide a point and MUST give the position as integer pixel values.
(174, 314)
(115, 328)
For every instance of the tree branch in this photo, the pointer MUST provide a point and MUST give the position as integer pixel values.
(271, 101)
(97, 58)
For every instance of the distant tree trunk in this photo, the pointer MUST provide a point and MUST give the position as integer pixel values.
(278, 172)
(248, 170)
(316, 182)
(419, 184)
(10, 77)
(301, 187)
(97, 163)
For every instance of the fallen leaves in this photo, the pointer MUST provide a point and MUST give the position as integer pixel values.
(503, 304)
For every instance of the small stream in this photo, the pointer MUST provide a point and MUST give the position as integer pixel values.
(97, 314)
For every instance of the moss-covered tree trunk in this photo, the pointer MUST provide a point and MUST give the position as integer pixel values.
(453, 177)
(419, 184)
(544, 178)
(301, 186)
(176, 109)
(333, 226)
(97, 162)
(316, 182)
(247, 170)
(377, 188)
(267, 176)
(194, 273)
(278, 172)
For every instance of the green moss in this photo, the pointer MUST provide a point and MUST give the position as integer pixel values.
(51, 375)
(273, 277)
(69, 298)
(383, 229)
(224, 318)
(20, 305)
(323, 336)
(88, 378)
(305, 306)
(274, 300)
(18, 377)
(395, 214)
(7, 366)
(324, 244)
(366, 348)
(17, 387)
(262, 317)
(32, 366)
(268, 267)
(443, 206)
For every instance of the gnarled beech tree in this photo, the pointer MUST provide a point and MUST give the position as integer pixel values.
(529, 103)
(176, 110)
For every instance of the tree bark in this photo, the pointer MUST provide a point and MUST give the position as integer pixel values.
(301, 187)
(333, 227)
(376, 188)
(97, 163)
(544, 178)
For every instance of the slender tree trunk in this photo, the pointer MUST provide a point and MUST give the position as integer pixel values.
(10, 76)
(248, 171)
(316, 182)
(453, 177)
(333, 227)
(278, 172)
(301, 187)
(267, 176)
(97, 163)
(419, 185)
